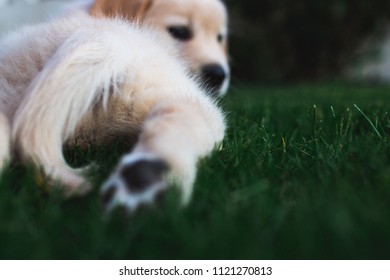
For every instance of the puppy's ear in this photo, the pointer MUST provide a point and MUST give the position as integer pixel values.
(127, 9)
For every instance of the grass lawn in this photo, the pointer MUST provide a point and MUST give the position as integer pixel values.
(304, 173)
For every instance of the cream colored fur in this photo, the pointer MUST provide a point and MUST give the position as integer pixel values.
(207, 20)
(95, 80)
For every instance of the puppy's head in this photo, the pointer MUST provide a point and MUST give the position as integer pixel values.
(198, 27)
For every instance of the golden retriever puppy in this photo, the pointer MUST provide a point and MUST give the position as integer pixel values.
(93, 79)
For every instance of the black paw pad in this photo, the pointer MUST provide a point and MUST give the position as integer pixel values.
(139, 181)
(142, 174)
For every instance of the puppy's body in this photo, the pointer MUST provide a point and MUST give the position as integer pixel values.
(83, 79)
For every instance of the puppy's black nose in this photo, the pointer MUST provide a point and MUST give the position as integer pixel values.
(213, 76)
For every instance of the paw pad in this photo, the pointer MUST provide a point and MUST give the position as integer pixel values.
(138, 181)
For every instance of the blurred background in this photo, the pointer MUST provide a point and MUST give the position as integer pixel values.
(16, 13)
(280, 41)
(277, 41)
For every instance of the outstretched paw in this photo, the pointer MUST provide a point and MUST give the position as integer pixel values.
(138, 181)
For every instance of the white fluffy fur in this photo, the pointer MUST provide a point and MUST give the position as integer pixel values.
(95, 80)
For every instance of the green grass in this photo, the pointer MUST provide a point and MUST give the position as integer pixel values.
(304, 173)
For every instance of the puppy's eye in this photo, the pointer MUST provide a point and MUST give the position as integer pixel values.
(220, 38)
(181, 33)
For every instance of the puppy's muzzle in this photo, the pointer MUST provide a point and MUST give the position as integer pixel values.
(213, 77)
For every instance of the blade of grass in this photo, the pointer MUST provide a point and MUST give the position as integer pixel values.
(369, 121)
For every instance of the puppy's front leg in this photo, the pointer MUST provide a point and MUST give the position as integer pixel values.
(176, 133)
(80, 74)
